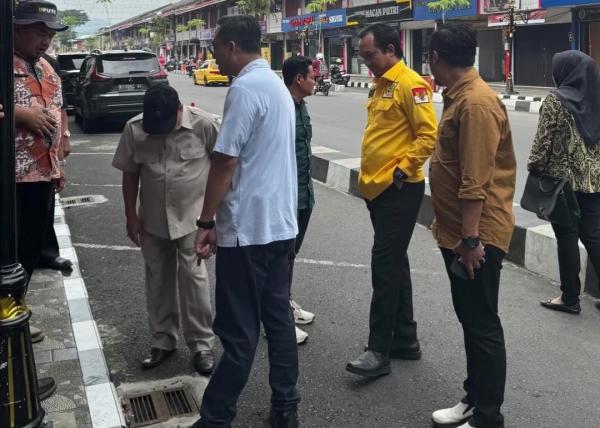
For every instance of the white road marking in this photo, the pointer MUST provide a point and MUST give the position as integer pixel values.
(95, 185)
(304, 261)
(96, 153)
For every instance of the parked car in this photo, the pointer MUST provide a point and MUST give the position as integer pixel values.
(70, 64)
(112, 85)
(208, 73)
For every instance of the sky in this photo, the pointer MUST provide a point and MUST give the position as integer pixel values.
(118, 11)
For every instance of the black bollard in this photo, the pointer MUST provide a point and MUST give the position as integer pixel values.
(20, 406)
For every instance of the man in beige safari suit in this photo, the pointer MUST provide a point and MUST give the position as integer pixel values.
(165, 153)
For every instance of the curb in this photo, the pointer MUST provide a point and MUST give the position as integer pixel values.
(533, 245)
(512, 102)
(103, 402)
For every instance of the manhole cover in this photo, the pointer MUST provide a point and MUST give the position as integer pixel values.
(77, 201)
(159, 406)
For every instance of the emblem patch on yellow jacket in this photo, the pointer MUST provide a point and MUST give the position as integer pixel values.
(420, 95)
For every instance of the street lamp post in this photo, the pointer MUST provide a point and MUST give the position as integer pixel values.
(19, 402)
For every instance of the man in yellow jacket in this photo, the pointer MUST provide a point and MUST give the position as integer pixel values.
(399, 138)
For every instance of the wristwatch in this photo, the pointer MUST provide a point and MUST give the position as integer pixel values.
(206, 225)
(471, 242)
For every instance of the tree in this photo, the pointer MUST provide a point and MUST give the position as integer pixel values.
(444, 6)
(196, 24)
(255, 8)
(73, 18)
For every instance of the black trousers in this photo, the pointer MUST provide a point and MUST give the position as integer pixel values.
(50, 250)
(476, 305)
(33, 210)
(303, 220)
(567, 239)
(252, 286)
(393, 215)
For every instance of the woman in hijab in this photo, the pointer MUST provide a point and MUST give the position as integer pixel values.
(567, 145)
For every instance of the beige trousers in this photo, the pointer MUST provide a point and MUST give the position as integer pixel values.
(177, 291)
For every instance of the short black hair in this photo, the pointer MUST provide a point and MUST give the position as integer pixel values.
(293, 67)
(241, 29)
(455, 44)
(384, 35)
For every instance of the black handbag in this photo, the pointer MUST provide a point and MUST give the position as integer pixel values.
(551, 198)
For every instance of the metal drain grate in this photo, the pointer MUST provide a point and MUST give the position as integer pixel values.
(76, 201)
(159, 406)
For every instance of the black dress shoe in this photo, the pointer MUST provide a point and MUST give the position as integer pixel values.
(561, 307)
(597, 304)
(58, 263)
(156, 358)
(46, 387)
(204, 362)
(287, 419)
(370, 364)
(410, 352)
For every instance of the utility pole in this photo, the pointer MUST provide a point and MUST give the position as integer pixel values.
(510, 34)
(19, 402)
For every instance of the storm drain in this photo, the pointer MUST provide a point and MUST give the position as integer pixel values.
(77, 201)
(159, 406)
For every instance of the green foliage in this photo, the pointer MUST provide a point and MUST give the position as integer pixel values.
(318, 6)
(181, 28)
(195, 24)
(256, 8)
(444, 6)
(73, 18)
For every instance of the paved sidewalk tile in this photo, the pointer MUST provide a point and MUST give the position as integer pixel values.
(71, 351)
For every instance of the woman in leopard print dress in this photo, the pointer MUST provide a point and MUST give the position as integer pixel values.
(567, 145)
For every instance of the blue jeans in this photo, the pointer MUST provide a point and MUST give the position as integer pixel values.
(253, 285)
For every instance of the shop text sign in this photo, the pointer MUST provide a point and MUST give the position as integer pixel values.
(380, 12)
(422, 13)
(521, 18)
(329, 19)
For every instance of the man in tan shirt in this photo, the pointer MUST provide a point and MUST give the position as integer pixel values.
(472, 178)
(165, 152)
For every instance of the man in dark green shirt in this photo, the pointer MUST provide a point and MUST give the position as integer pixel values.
(298, 76)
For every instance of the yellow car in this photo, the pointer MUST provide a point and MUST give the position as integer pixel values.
(208, 73)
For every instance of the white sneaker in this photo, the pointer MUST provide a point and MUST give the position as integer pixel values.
(301, 336)
(466, 425)
(457, 414)
(301, 316)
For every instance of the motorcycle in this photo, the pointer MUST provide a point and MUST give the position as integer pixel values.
(170, 67)
(190, 69)
(337, 76)
(323, 85)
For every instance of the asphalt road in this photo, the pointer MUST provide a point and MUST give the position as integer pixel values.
(553, 358)
(339, 119)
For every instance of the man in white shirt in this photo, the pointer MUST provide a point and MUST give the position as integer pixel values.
(252, 190)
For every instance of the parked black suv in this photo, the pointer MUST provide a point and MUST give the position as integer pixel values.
(70, 64)
(112, 85)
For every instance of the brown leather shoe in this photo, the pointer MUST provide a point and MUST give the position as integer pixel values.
(156, 358)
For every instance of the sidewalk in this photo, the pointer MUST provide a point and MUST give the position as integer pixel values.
(72, 351)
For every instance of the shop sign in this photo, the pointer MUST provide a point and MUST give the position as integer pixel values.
(521, 18)
(499, 6)
(207, 34)
(422, 13)
(389, 11)
(589, 14)
(556, 3)
(329, 19)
